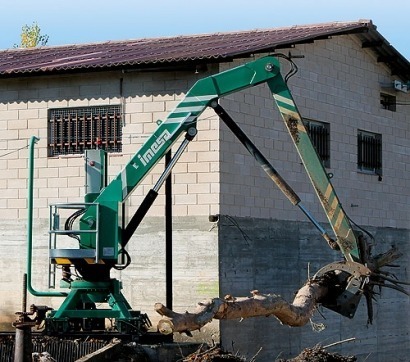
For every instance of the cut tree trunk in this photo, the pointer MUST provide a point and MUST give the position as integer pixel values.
(294, 314)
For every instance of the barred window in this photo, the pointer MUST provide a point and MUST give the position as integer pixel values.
(369, 152)
(73, 130)
(388, 102)
(319, 133)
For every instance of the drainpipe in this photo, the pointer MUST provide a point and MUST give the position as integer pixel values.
(34, 292)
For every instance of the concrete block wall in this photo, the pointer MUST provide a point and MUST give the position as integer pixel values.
(338, 83)
(195, 268)
(266, 243)
(146, 98)
(277, 257)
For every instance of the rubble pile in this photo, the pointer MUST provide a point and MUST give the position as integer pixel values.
(319, 354)
(214, 354)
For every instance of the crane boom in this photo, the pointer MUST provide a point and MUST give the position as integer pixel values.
(185, 116)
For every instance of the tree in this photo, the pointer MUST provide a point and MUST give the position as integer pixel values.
(31, 36)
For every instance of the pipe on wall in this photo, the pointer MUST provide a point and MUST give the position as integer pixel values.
(33, 141)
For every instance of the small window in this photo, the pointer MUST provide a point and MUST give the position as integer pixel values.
(319, 133)
(73, 130)
(388, 102)
(369, 152)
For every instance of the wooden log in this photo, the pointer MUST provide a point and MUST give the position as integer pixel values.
(292, 314)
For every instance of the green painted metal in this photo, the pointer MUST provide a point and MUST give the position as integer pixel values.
(94, 292)
(72, 310)
(82, 307)
(345, 236)
(30, 185)
(183, 117)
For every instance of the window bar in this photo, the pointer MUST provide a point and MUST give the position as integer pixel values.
(115, 140)
(118, 131)
(369, 151)
(101, 119)
(98, 130)
(116, 123)
(360, 151)
(77, 133)
(106, 137)
(87, 130)
(379, 153)
(107, 133)
(372, 153)
(69, 133)
(59, 133)
(111, 130)
(319, 136)
(54, 135)
(92, 130)
(63, 134)
(97, 118)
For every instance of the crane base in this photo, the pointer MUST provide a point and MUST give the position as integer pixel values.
(79, 310)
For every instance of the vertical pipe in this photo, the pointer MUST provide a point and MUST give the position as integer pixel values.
(168, 235)
(33, 141)
(24, 301)
(23, 346)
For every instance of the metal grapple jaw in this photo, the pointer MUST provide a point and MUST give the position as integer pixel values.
(346, 281)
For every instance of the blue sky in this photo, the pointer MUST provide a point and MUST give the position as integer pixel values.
(86, 21)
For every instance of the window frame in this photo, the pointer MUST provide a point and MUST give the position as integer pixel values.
(323, 148)
(369, 159)
(72, 130)
(388, 101)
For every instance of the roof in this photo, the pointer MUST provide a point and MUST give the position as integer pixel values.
(157, 53)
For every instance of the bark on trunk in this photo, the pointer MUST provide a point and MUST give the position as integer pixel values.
(294, 314)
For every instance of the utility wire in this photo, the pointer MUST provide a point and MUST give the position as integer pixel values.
(18, 149)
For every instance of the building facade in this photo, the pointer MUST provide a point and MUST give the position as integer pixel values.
(233, 230)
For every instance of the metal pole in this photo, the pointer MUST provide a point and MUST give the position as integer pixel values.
(23, 346)
(168, 235)
(153, 193)
(268, 168)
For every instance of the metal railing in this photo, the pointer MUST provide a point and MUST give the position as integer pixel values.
(56, 231)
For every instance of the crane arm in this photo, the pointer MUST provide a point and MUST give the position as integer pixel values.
(181, 119)
(345, 237)
(184, 118)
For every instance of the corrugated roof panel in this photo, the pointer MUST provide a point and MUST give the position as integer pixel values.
(153, 51)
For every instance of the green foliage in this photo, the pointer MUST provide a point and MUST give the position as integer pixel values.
(31, 36)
